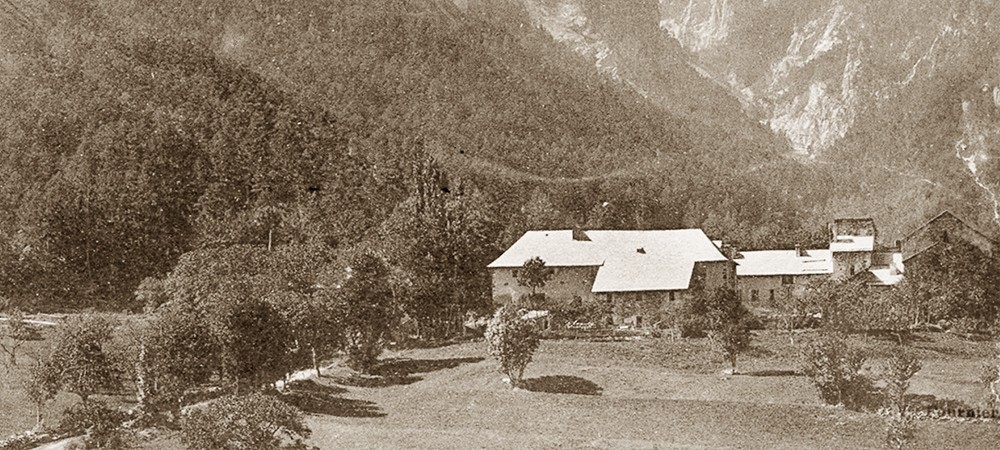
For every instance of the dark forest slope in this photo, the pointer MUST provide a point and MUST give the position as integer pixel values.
(137, 133)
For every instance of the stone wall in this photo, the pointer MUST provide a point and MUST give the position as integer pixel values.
(566, 284)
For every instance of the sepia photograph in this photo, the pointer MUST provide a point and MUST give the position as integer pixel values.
(499, 224)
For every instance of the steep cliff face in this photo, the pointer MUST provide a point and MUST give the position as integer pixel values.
(626, 41)
(808, 69)
(862, 83)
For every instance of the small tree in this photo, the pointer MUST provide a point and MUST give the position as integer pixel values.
(512, 341)
(254, 421)
(16, 332)
(41, 385)
(729, 324)
(899, 369)
(534, 275)
(80, 357)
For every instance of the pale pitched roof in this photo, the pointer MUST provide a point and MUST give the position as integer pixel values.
(853, 244)
(558, 249)
(643, 272)
(784, 262)
(629, 260)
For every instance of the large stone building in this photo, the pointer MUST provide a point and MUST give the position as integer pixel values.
(635, 274)
(632, 273)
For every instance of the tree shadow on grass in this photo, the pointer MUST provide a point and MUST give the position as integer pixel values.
(311, 386)
(315, 398)
(396, 372)
(376, 381)
(562, 384)
(405, 367)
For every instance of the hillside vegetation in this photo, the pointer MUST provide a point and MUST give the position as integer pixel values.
(139, 133)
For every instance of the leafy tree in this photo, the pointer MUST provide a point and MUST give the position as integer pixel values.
(316, 323)
(956, 281)
(41, 386)
(899, 369)
(442, 238)
(168, 353)
(254, 421)
(80, 356)
(254, 340)
(370, 310)
(16, 331)
(729, 323)
(266, 310)
(512, 341)
(836, 371)
(534, 274)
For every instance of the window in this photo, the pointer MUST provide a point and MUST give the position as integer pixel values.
(753, 295)
(787, 279)
(771, 295)
(672, 298)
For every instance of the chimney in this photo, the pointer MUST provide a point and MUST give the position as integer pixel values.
(899, 244)
(641, 250)
(579, 234)
(799, 252)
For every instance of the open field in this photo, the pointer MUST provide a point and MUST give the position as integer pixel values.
(648, 393)
(624, 395)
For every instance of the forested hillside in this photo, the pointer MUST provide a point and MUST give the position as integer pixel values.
(136, 133)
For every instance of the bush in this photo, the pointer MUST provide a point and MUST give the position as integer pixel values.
(254, 421)
(512, 341)
(835, 369)
(102, 424)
